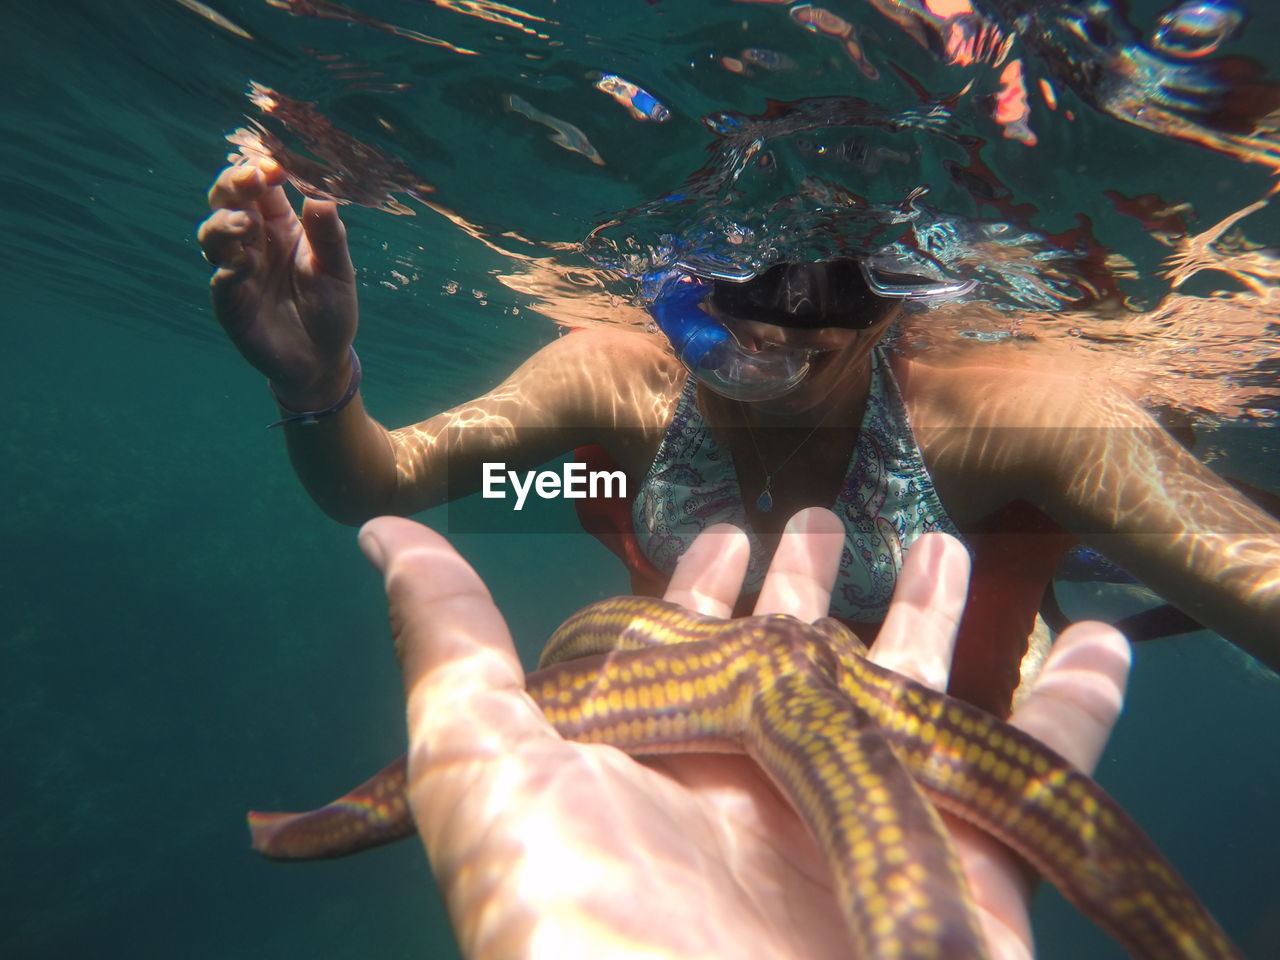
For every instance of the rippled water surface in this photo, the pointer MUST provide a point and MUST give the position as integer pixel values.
(187, 636)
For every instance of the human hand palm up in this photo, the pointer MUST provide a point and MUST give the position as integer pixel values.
(543, 846)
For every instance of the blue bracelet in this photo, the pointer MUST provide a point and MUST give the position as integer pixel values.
(311, 416)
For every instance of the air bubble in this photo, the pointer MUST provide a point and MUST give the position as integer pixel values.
(1192, 30)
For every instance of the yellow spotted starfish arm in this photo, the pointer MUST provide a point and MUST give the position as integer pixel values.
(856, 749)
(1012, 787)
(373, 814)
(754, 687)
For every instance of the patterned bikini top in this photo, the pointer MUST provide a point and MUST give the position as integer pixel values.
(886, 501)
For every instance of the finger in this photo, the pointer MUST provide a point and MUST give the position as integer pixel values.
(272, 200)
(804, 566)
(918, 636)
(235, 188)
(279, 222)
(1075, 701)
(226, 234)
(223, 194)
(232, 290)
(327, 238)
(263, 180)
(463, 680)
(708, 577)
(244, 184)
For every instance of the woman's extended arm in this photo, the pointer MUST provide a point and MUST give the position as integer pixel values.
(285, 293)
(1103, 468)
(610, 387)
(1130, 490)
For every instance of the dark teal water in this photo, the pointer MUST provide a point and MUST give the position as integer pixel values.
(186, 636)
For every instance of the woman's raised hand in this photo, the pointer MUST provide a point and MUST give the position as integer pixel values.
(285, 286)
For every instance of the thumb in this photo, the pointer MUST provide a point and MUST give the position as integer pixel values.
(452, 642)
(467, 709)
(442, 616)
(327, 238)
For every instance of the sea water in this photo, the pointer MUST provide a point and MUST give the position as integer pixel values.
(186, 635)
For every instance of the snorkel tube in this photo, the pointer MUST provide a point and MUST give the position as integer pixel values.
(674, 300)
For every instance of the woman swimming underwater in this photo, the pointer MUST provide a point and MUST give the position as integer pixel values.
(769, 393)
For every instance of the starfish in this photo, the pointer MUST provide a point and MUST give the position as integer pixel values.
(865, 756)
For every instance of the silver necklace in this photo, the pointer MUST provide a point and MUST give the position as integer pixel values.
(764, 502)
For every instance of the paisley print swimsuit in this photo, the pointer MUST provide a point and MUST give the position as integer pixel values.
(886, 501)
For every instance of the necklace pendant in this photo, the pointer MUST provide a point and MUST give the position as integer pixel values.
(765, 501)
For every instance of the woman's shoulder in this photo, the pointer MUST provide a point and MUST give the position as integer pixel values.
(1000, 425)
(1001, 389)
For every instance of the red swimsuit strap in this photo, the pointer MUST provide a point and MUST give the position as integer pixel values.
(608, 519)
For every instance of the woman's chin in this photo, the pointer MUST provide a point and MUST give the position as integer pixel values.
(802, 400)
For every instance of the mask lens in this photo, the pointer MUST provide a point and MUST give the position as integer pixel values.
(708, 349)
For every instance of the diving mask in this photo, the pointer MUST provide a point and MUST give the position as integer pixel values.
(847, 293)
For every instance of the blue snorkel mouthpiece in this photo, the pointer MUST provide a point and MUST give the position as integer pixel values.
(710, 352)
(677, 309)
